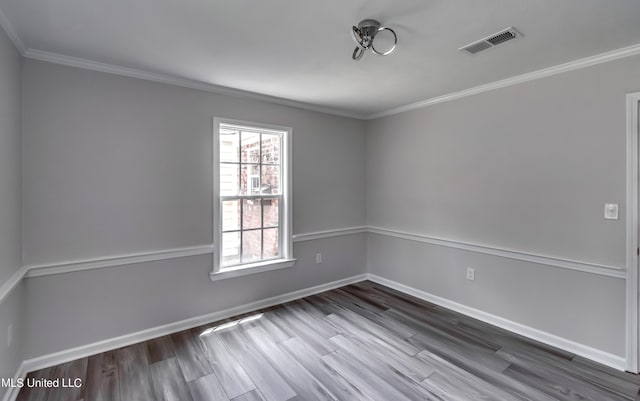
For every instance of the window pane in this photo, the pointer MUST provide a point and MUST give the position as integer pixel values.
(230, 248)
(271, 243)
(271, 148)
(251, 213)
(229, 179)
(251, 245)
(230, 215)
(229, 141)
(250, 180)
(271, 212)
(271, 180)
(250, 152)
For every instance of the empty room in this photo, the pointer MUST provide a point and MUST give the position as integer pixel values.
(370, 200)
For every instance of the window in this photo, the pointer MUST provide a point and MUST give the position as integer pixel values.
(252, 206)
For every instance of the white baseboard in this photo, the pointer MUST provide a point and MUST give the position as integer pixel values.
(12, 392)
(56, 358)
(605, 358)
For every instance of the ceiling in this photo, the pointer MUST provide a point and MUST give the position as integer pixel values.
(301, 49)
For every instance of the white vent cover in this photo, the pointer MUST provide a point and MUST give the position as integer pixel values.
(496, 39)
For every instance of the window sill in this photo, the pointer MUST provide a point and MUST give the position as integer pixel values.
(252, 269)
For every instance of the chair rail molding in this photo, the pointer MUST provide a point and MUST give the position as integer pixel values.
(586, 267)
(46, 269)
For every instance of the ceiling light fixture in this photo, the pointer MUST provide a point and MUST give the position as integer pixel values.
(365, 33)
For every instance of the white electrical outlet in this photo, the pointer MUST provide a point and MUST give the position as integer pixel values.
(471, 273)
(318, 258)
(9, 335)
(611, 211)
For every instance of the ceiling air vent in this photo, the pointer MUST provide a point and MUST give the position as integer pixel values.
(496, 39)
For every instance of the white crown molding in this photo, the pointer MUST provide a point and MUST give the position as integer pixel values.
(12, 33)
(543, 73)
(611, 271)
(207, 87)
(329, 233)
(144, 335)
(606, 358)
(177, 81)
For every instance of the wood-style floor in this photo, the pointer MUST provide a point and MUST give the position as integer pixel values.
(361, 342)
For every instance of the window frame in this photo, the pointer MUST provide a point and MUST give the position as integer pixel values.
(286, 208)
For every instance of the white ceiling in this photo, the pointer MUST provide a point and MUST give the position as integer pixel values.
(301, 49)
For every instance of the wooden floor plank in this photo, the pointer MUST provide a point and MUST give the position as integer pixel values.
(314, 364)
(232, 376)
(552, 366)
(102, 377)
(160, 349)
(458, 352)
(477, 377)
(68, 373)
(207, 388)
(362, 378)
(304, 330)
(300, 380)
(397, 379)
(364, 329)
(168, 381)
(548, 380)
(270, 384)
(36, 393)
(191, 355)
(133, 374)
(253, 395)
(275, 332)
(409, 366)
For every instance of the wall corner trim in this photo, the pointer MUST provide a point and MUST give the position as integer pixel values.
(611, 360)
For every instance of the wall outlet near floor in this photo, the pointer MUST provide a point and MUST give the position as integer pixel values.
(471, 273)
(9, 335)
(318, 258)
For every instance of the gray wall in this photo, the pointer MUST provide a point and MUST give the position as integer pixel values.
(525, 168)
(10, 201)
(10, 158)
(115, 165)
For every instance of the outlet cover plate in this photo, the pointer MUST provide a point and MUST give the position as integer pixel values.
(611, 211)
(471, 274)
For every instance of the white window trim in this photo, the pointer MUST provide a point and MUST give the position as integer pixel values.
(286, 214)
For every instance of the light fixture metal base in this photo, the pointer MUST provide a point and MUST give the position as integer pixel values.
(364, 34)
